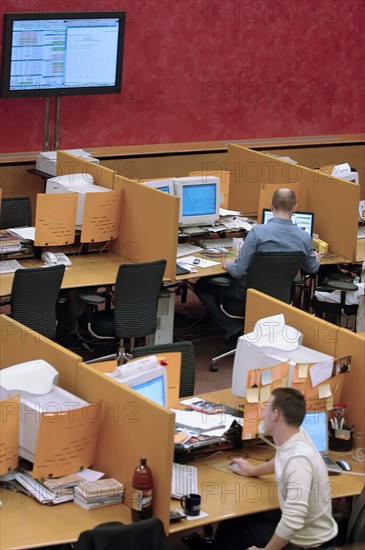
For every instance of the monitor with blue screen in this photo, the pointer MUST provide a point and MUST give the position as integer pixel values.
(166, 186)
(304, 220)
(315, 424)
(199, 200)
(151, 383)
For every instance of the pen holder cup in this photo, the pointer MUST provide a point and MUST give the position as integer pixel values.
(340, 440)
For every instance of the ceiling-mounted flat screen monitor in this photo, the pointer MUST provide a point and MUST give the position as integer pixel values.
(55, 54)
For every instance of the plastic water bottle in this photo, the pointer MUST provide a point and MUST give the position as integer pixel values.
(142, 492)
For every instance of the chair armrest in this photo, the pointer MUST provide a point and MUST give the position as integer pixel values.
(5, 301)
(219, 280)
(92, 299)
(342, 285)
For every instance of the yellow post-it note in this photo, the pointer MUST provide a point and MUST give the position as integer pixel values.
(252, 395)
(265, 392)
(324, 391)
(303, 370)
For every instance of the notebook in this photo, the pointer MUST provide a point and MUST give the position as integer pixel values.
(316, 425)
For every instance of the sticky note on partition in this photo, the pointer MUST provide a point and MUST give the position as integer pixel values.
(252, 395)
(302, 370)
(265, 392)
(324, 391)
(266, 377)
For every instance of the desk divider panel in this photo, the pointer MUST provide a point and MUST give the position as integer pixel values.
(132, 427)
(55, 219)
(350, 343)
(69, 164)
(20, 343)
(335, 219)
(148, 225)
(321, 336)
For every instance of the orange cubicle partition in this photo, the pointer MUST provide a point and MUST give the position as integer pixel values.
(148, 226)
(132, 427)
(324, 337)
(69, 164)
(335, 202)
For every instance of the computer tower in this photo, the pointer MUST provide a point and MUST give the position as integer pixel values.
(165, 319)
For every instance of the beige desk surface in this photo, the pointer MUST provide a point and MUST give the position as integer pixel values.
(27, 524)
(92, 270)
(226, 495)
(101, 269)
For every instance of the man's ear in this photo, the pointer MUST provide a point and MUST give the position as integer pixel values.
(275, 415)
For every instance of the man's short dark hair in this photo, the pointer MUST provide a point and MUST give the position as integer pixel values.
(291, 403)
(284, 200)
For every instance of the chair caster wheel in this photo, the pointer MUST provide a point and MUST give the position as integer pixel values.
(213, 367)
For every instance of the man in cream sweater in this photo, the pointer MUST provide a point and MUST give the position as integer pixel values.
(305, 520)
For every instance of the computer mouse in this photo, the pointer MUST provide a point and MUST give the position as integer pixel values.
(344, 465)
(234, 467)
(196, 261)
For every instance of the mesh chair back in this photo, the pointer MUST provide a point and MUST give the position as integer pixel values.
(15, 212)
(136, 299)
(187, 373)
(34, 298)
(273, 273)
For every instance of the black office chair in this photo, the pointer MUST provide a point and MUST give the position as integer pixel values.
(15, 212)
(269, 272)
(187, 373)
(148, 533)
(134, 314)
(34, 297)
(335, 312)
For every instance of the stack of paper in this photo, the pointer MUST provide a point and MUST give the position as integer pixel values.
(95, 494)
(8, 243)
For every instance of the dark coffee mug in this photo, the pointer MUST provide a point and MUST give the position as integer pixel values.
(191, 504)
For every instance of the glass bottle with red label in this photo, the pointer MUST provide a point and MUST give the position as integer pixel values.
(142, 492)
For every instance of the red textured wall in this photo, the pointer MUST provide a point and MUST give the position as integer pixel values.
(212, 70)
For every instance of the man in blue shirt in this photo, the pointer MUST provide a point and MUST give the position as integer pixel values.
(278, 235)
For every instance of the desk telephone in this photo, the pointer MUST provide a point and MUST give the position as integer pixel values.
(55, 258)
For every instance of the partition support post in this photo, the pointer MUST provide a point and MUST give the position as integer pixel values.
(46, 126)
(57, 123)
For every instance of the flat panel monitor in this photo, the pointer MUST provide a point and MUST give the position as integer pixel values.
(315, 424)
(304, 220)
(166, 186)
(151, 383)
(55, 54)
(199, 200)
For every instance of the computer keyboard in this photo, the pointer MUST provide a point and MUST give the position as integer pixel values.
(9, 266)
(180, 270)
(187, 248)
(184, 480)
(224, 242)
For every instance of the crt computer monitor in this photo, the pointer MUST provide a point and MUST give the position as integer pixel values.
(151, 383)
(304, 220)
(55, 54)
(75, 183)
(167, 186)
(199, 200)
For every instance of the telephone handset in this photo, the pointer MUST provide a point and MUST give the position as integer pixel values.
(55, 258)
